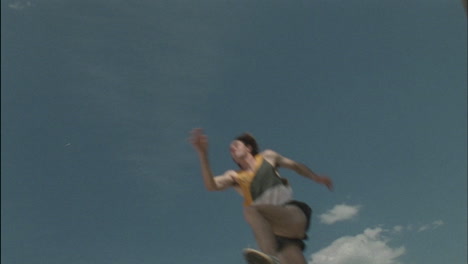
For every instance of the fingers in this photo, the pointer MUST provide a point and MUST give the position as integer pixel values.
(330, 185)
(327, 182)
(198, 139)
(197, 131)
(197, 134)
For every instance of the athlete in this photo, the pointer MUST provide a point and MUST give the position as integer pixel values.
(279, 223)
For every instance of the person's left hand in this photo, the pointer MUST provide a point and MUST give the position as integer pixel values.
(326, 181)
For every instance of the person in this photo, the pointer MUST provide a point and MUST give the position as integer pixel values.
(279, 223)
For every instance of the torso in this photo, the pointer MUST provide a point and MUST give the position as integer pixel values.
(263, 185)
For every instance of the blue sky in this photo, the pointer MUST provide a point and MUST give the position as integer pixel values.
(98, 98)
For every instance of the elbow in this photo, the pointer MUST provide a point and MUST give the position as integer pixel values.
(301, 169)
(298, 167)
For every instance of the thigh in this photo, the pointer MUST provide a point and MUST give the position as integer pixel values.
(287, 221)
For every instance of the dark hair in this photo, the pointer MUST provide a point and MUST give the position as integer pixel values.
(249, 140)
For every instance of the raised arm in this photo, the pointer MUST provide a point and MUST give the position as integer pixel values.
(299, 168)
(200, 143)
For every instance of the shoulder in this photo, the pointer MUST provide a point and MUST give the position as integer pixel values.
(271, 156)
(278, 160)
(268, 153)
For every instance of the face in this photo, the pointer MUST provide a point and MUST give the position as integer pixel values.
(238, 150)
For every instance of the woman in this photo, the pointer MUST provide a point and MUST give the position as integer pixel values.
(279, 223)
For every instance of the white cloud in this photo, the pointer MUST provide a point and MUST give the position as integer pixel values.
(398, 228)
(19, 5)
(418, 228)
(423, 228)
(370, 247)
(437, 223)
(340, 212)
(431, 226)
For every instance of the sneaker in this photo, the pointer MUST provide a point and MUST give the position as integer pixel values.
(253, 256)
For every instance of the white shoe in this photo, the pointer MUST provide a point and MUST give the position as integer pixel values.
(253, 256)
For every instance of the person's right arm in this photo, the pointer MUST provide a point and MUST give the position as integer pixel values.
(218, 183)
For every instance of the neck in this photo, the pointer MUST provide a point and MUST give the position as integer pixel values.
(248, 163)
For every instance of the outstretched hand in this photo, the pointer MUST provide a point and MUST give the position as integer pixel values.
(199, 140)
(326, 181)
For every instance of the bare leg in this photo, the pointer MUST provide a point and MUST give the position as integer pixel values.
(287, 221)
(262, 230)
(292, 254)
(270, 220)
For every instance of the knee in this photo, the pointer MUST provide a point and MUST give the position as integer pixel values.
(250, 213)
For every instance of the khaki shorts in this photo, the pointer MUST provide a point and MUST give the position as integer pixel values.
(282, 242)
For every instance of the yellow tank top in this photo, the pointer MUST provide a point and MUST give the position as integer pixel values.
(263, 184)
